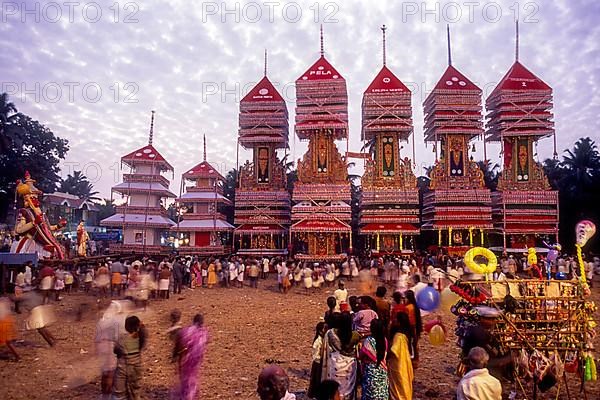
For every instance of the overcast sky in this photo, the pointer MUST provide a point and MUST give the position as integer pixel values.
(93, 71)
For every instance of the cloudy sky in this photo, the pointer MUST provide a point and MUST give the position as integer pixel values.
(92, 71)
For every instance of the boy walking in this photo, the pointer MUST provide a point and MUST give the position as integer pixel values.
(129, 361)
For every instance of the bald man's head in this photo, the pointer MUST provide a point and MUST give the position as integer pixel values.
(273, 383)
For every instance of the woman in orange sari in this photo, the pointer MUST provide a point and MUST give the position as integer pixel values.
(212, 275)
(414, 317)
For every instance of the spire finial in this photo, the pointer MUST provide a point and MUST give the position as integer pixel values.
(383, 28)
(204, 137)
(265, 62)
(322, 48)
(517, 40)
(449, 49)
(151, 135)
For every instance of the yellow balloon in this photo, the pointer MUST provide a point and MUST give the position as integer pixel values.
(447, 299)
(437, 337)
(531, 256)
(492, 261)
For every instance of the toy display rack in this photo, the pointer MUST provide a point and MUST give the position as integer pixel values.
(547, 315)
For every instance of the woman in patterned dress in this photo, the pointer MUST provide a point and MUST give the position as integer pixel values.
(339, 355)
(374, 369)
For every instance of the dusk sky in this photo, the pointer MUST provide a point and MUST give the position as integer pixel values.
(191, 62)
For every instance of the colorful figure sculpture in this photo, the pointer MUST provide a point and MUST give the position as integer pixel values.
(36, 232)
(82, 240)
(532, 262)
(553, 252)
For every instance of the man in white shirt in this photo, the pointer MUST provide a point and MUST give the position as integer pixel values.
(341, 295)
(478, 384)
(265, 270)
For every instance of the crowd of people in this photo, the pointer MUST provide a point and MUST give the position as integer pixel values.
(146, 278)
(369, 346)
(366, 344)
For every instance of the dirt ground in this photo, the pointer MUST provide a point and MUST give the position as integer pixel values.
(249, 328)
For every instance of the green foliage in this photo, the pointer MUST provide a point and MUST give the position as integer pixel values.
(78, 185)
(577, 178)
(229, 187)
(26, 145)
(106, 210)
(491, 173)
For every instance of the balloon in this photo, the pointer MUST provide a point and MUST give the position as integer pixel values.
(447, 299)
(430, 324)
(561, 276)
(481, 268)
(437, 336)
(531, 256)
(552, 256)
(428, 299)
(584, 230)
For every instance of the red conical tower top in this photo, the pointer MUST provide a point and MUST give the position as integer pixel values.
(264, 90)
(386, 105)
(263, 115)
(147, 154)
(321, 69)
(321, 100)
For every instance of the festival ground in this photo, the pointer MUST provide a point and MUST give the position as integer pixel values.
(249, 328)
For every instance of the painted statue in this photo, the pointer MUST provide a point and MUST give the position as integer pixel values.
(388, 156)
(33, 226)
(82, 240)
(532, 263)
(322, 154)
(263, 164)
(553, 252)
(523, 161)
(457, 167)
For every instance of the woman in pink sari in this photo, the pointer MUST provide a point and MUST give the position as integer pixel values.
(189, 351)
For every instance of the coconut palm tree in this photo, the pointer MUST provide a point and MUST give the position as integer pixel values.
(491, 173)
(229, 187)
(9, 133)
(369, 145)
(581, 168)
(287, 165)
(107, 209)
(78, 185)
(554, 172)
(577, 179)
